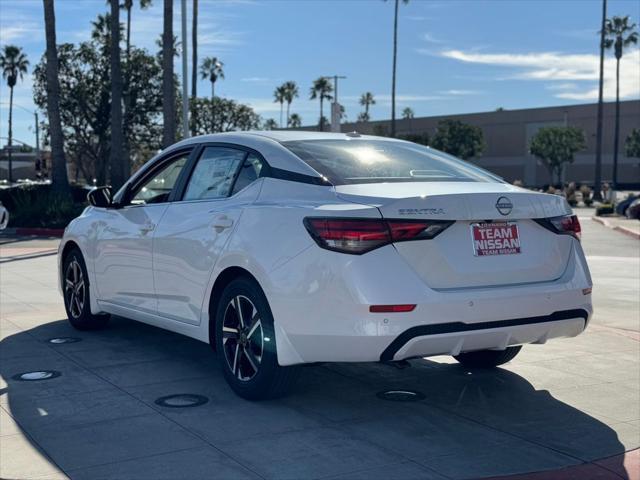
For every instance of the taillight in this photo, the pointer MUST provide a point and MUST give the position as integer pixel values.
(563, 225)
(361, 235)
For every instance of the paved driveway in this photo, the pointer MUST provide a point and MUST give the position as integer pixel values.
(556, 405)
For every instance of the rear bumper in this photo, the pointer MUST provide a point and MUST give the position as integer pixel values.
(453, 338)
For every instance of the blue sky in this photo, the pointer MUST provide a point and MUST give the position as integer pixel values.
(456, 56)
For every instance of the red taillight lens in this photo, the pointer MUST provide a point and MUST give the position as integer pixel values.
(392, 308)
(564, 225)
(360, 235)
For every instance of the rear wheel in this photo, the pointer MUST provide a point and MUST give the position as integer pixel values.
(245, 341)
(76, 294)
(487, 358)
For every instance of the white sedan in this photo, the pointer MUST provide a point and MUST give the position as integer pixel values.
(284, 248)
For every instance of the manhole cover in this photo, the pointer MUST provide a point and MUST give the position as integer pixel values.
(401, 395)
(36, 376)
(182, 400)
(61, 340)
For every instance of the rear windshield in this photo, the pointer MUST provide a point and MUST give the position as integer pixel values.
(372, 161)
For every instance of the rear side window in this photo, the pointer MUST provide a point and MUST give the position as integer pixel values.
(249, 173)
(214, 173)
(372, 161)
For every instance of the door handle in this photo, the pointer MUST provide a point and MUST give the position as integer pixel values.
(222, 222)
(149, 227)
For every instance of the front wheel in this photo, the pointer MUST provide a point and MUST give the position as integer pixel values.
(487, 358)
(245, 342)
(76, 294)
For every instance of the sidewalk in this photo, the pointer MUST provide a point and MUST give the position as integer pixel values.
(620, 224)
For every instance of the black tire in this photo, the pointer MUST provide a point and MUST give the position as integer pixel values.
(248, 355)
(75, 286)
(487, 358)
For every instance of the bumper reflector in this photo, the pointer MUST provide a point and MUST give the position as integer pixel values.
(391, 308)
(587, 291)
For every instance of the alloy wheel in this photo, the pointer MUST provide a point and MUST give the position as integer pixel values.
(242, 338)
(74, 288)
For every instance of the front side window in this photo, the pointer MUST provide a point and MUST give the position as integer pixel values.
(158, 187)
(373, 161)
(214, 173)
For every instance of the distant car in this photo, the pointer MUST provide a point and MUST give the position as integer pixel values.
(284, 248)
(621, 207)
(633, 211)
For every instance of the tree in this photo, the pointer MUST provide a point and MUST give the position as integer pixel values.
(290, 92)
(556, 146)
(619, 34)
(230, 116)
(168, 83)
(14, 64)
(407, 113)
(458, 139)
(194, 59)
(321, 89)
(270, 124)
(366, 100)
(395, 58)
(59, 179)
(85, 102)
(278, 97)
(295, 121)
(422, 139)
(632, 144)
(116, 157)
(211, 69)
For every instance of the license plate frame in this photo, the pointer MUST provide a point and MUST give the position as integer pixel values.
(506, 242)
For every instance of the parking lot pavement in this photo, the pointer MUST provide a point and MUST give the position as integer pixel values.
(570, 403)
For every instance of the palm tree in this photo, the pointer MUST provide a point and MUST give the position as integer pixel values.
(14, 64)
(211, 69)
(395, 58)
(59, 179)
(366, 100)
(116, 153)
(407, 113)
(168, 87)
(291, 92)
(619, 34)
(295, 121)
(194, 66)
(363, 117)
(278, 97)
(321, 89)
(128, 6)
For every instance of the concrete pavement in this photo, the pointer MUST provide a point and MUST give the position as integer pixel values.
(554, 406)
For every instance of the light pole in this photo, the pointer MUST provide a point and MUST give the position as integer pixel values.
(335, 106)
(598, 176)
(185, 87)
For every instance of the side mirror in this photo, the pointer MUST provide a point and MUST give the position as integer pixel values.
(100, 197)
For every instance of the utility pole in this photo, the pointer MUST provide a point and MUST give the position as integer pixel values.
(335, 106)
(38, 161)
(597, 187)
(185, 86)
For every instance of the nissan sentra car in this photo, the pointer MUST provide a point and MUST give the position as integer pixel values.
(284, 248)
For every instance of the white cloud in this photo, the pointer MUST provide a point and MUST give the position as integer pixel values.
(460, 92)
(554, 66)
(427, 37)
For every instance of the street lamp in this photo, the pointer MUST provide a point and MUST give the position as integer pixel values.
(335, 106)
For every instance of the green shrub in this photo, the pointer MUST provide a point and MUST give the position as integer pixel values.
(39, 206)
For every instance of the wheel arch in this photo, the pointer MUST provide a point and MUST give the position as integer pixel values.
(225, 277)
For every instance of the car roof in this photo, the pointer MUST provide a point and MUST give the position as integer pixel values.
(270, 144)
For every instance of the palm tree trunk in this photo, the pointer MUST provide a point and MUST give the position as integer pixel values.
(213, 107)
(126, 151)
(393, 76)
(281, 106)
(288, 120)
(194, 67)
(59, 180)
(128, 31)
(321, 116)
(366, 108)
(9, 152)
(168, 87)
(116, 156)
(616, 135)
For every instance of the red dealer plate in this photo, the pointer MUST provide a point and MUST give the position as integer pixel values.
(498, 238)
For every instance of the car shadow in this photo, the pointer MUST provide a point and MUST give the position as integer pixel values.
(97, 417)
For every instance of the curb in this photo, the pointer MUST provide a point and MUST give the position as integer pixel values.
(617, 228)
(38, 232)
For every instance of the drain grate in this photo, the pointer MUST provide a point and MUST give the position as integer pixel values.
(401, 396)
(36, 376)
(61, 340)
(182, 400)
